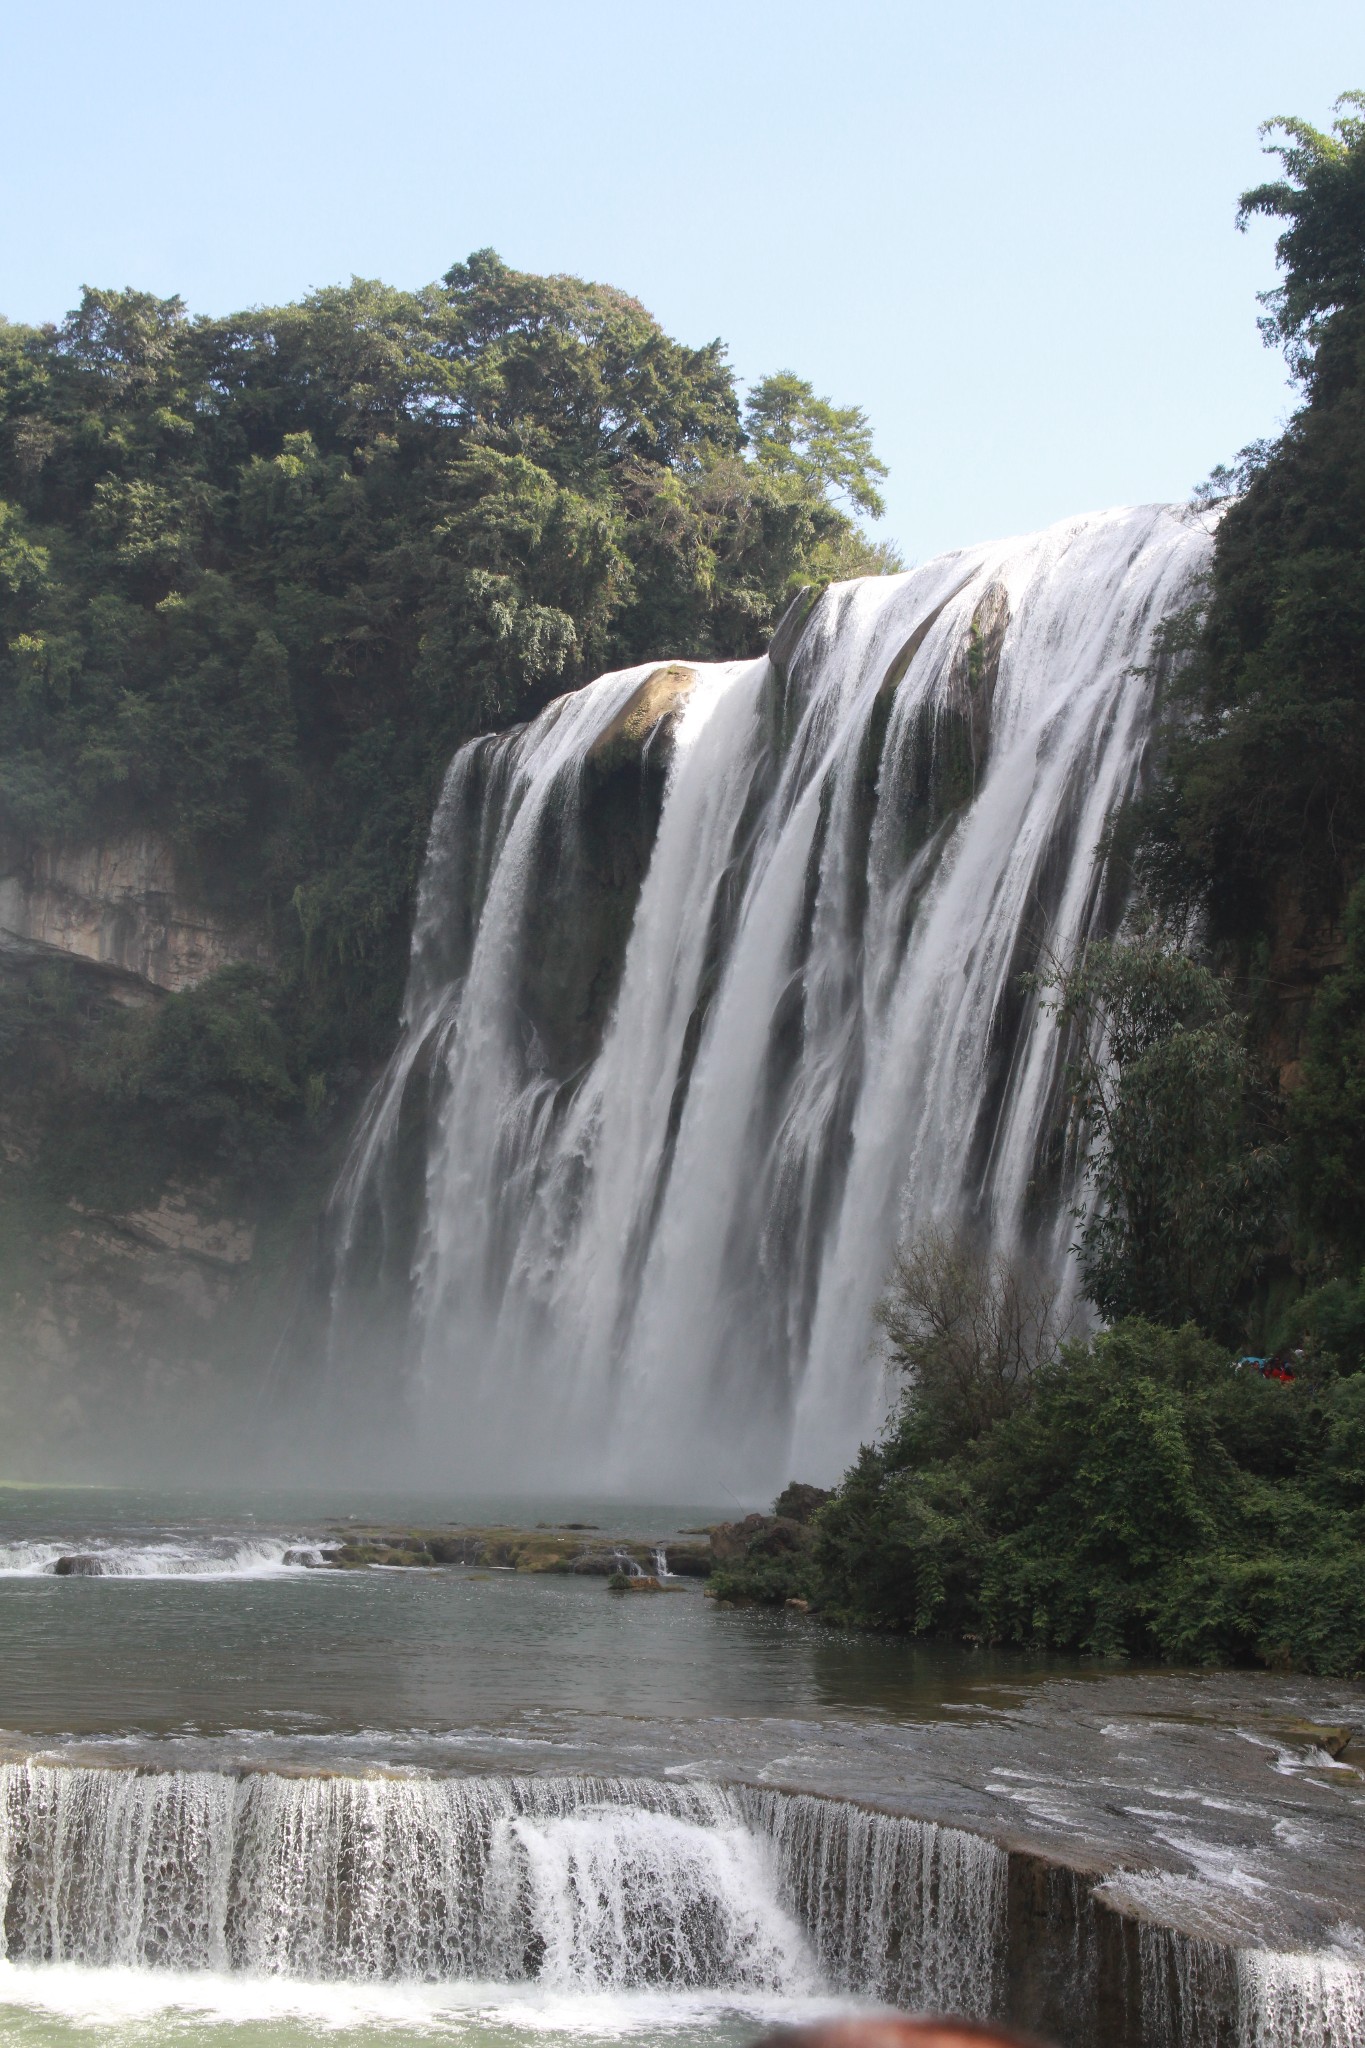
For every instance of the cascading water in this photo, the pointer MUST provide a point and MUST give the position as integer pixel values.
(900, 1910)
(225, 1557)
(587, 1886)
(581, 1884)
(716, 990)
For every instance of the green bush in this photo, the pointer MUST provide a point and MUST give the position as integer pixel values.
(1181, 1136)
(1142, 1498)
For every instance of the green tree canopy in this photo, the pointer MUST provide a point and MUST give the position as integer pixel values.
(260, 575)
(1322, 250)
(1260, 814)
(819, 446)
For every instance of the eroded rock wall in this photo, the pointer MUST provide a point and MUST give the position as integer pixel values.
(119, 904)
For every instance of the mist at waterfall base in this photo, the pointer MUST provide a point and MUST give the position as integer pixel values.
(715, 994)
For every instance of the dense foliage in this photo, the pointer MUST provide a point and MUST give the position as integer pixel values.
(1138, 1497)
(1181, 1136)
(259, 576)
(1261, 817)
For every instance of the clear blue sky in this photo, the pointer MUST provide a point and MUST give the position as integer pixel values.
(1006, 230)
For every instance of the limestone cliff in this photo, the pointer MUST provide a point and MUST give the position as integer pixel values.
(112, 1311)
(118, 904)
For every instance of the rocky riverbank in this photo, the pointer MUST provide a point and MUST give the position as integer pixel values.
(567, 1548)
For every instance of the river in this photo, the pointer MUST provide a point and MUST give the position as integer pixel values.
(252, 1800)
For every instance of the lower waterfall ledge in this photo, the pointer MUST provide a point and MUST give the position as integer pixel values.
(592, 1884)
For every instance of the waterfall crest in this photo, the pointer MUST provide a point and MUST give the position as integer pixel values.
(715, 992)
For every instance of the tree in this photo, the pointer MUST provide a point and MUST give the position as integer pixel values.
(1322, 250)
(1261, 805)
(1327, 1109)
(260, 576)
(818, 446)
(1182, 1152)
(967, 1329)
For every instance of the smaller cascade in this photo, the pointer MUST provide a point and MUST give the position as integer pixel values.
(1300, 2001)
(581, 1884)
(1189, 1988)
(620, 1899)
(900, 1910)
(584, 1885)
(170, 1557)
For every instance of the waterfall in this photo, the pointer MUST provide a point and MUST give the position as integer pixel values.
(1300, 2001)
(900, 1910)
(1198, 1993)
(716, 992)
(586, 1885)
(582, 1884)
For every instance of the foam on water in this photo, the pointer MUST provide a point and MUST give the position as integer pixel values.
(117, 2004)
(170, 1557)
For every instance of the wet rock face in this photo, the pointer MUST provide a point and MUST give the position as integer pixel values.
(127, 1318)
(591, 861)
(798, 1502)
(689, 1560)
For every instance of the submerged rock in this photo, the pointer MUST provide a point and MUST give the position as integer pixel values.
(1334, 1737)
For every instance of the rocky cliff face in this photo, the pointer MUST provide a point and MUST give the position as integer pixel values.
(120, 905)
(110, 1317)
(118, 1324)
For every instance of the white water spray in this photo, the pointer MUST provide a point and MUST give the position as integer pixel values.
(580, 1884)
(645, 1248)
(583, 1887)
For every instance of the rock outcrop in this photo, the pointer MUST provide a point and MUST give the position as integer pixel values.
(591, 864)
(119, 905)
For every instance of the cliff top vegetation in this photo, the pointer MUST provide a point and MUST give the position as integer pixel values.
(261, 575)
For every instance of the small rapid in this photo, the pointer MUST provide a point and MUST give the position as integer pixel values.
(168, 1557)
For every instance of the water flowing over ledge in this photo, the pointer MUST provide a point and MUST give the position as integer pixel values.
(588, 1885)
(715, 990)
(223, 1557)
